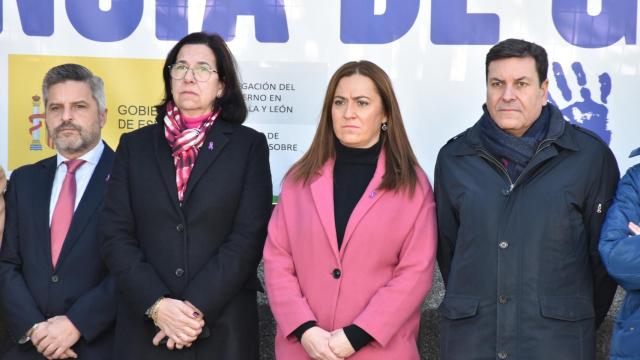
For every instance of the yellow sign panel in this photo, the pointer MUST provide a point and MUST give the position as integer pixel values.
(132, 88)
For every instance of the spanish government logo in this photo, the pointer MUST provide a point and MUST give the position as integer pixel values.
(36, 120)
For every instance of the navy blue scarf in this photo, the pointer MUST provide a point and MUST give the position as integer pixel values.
(515, 152)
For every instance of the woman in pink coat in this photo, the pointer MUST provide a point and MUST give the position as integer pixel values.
(350, 252)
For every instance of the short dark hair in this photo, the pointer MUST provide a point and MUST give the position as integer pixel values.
(234, 108)
(74, 72)
(519, 48)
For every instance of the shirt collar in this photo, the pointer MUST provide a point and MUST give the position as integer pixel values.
(92, 156)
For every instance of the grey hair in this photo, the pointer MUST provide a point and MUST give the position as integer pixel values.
(61, 73)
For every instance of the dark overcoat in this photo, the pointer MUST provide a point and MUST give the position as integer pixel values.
(520, 260)
(204, 249)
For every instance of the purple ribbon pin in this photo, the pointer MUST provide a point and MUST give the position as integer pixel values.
(210, 146)
(372, 194)
(108, 177)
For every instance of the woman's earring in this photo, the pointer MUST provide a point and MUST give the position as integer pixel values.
(384, 127)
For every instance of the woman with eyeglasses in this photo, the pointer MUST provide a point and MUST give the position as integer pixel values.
(185, 218)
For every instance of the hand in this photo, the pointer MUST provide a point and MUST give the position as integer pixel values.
(69, 354)
(340, 345)
(195, 309)
(170, 343)
(55, 337)
(635, 229)
(39, 332)
(315, 342)
(178, 321)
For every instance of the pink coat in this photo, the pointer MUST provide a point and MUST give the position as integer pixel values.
(386, 263)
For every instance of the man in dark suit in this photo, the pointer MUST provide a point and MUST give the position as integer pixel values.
(56, 296)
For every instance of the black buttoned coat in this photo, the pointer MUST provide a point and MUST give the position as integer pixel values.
(204, 250)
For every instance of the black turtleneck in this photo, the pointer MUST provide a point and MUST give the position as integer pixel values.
(352, 173)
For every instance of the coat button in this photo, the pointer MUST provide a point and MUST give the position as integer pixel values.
(55, 278)
(336, 273)
(502, 355)
(506, 192)
(180, 227)
(503, 244)
(179, 272)
(503, 299)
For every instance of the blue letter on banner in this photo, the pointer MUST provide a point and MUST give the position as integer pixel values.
(359, 24)
(452, 25)
(113, 25)
(269, 17)
(616, 20)
(36, 17)
(171, 19)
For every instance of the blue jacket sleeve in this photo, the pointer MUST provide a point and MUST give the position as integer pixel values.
(619, 248)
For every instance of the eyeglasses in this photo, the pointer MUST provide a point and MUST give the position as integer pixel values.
(200, 72)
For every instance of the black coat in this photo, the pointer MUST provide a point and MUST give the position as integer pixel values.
(205, 250)
(80, 287)
(523, 276)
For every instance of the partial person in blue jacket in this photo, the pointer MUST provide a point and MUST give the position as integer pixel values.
(620, 251)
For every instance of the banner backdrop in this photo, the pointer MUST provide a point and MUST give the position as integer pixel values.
(434, 52)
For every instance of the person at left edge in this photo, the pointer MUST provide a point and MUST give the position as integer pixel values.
(186, 216)
(3, 185)
(56, 295)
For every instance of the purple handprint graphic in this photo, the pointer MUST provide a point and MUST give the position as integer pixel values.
(586, 113)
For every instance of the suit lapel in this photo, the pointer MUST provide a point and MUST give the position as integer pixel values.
(90, 201)
(42, 200)
(167, 169)
(213, 144)
(322, 194)
(370, 197)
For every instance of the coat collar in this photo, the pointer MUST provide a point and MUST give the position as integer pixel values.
(322, 194)
(213, 144)
(472, 142)
(90, 202)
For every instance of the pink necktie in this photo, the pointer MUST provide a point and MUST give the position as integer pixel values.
(63, 212)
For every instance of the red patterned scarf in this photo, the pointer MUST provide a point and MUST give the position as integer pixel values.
(185, 143)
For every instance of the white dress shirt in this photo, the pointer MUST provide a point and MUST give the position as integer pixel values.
(83, 175)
